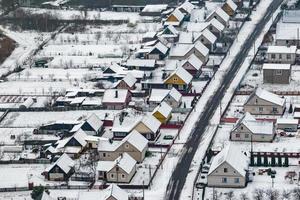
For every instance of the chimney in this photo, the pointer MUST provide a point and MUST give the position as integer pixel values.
(116, 94)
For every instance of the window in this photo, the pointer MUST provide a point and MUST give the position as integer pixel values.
(123, 176)
(237, 135)
(126, 146)
(246, 135)
(112, 176)
(202, 40)
(180, 87)
(273, 56)
(224, 180)
(256, 101)
(280, 56)
(260, 109)
(236, 180)
(288, 56)
(104, 155)
(225, 170)
(274, 109)
(242, 128)
(278, 72)
(175, 79)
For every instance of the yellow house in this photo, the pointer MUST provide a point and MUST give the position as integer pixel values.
(175, 18)
(179, 79)
(229, 7)
(163, 112)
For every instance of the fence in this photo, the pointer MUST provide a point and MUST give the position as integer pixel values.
(26, 161)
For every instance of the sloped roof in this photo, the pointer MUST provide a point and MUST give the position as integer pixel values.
(219, 11)
(160, 47)
(129, 79)
(194, 61)
(178, 14)
(175, 94)
(208, 35)
(163, 108)
(282, 49)
(115, 96)
(140, 63)
(157, 95)
(255, 126)
(125, 162)
(202, 48)
(270, 97)
(231, 4)
(218, 25)
(276, 66)
(64, 162)
(151, 122)
(116, 192)
(183, 74)
(187, 6)
(136, 140)
(232, 156)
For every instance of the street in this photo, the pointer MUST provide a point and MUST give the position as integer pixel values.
(181, 171)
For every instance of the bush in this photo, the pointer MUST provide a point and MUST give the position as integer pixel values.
(148, 154)
(37, 192)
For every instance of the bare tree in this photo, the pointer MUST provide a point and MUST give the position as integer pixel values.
(98, 36)
(215, 195)
(244, 196)
(258, 194)
(296, 194)
(286, 194)
(229, 195)
(272, 194)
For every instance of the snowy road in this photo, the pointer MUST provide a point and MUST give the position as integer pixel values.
(181, 171)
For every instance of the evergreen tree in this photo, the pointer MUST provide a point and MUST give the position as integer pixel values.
(252, 160)
(279, 161)
(266, 163)
(291, 109)
(286, 161)
(259, 161)
(273, 161)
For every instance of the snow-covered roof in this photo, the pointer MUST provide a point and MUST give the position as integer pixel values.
(106, 144)
(268, 96)
(127, 123)
(160, 47)
(221, 13)
(276, 66)
(79, 136)
(287, 31)
(150, 8)
(125, 162)
(129, 79)
(150, 34)
(291, 16)
(116, 68)
(180, 49)
(116, 192)
(157, 95)
(208, 35)
(187, 7)
(136, 140)
(233, 156)
(164, 109)
(287, 121)
(194, 61)
(186, 38)
(282, 49)
(231, 4)
(218, 25)
(256, 126)
(183, 74)
(64, 162)
(172, 29)
(196, 26)
(140, 63)
(178, 14)
(201, 48)
(115, 96)
(94, 121)
(175, 94)
(151, 122)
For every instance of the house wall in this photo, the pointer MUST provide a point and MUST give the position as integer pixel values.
(206, 42)
(262, 107)
(215, 178)
(161, 118)
(123, 85)
(203, 58)
(246, 135)
(272, 76)
(281, 58)
(292, 127)
(145, 131)
(172, 18)
(113, 174)
(215, 31)
(288, 42)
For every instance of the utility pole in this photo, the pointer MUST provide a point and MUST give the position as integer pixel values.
(143, 190)
(161, 160)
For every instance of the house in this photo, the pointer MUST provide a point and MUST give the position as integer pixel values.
(277, 73)
(163, 112)
(91, 126)
(169, 33)
(262, 102)
(127, 83)
(72, 145)
(287, 124)
(134, 144)
(148, 127)
(113, 192)
(207, 38)
(180, 79)
(216, 27)
(281, 54)
(287, 34)
(249, 129)
(120, 170)
(175, 18)
(116, 98)
(192, 64)
(220, 15)
(113, 69)
(186, 8)
(173, 98)
(228, 169)
(158, 52)
(140, 64)
(153, 9)
(61, 170)
(183, 51)
(229, 7)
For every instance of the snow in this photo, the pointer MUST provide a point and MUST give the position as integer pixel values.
(115, 96)
(155, 8)
(137, 140)
(282, 49)
(164, 109)
(268, 96)
(276, 66)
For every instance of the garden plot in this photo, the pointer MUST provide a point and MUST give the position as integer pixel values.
(48, 74)
(34, 119)
(280, 144)
(254, 78)
(170, 133)
(132, 17)
(263, 182)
